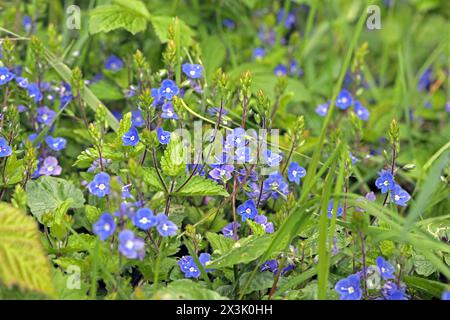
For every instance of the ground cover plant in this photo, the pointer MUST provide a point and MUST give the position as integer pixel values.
(224, 149)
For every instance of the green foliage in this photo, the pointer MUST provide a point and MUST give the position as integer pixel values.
(173, 160)
(186, 290)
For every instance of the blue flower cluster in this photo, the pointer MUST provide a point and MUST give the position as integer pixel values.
(386, 183)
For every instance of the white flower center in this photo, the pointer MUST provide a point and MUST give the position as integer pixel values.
(132, 138)
(2, 77)
(386, 182)
(168, 90)
(397, 197)
(248, 210)
(44, 116)
(129, 244)
(351, 290)
(144, 220)
(165, 227)
(107, 227)
(191, 269)
(101, 186)
(192, 72)
(50, 168)
(294, 173)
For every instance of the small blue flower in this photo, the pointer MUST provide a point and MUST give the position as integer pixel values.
(137, 120)
(27, 23)
(165, 226)
(349, 288)
(131, 246)
(361, 111)
(34, 92)
(5, 75)
(5, 149)
(425, 80)
(168, 112)
(228, 23)
(56, 144)
(400, 196)
(50, 167)
(269, 265)
(163, 136)
(344, 99)
(258, 53)
(158, 99)
(386, 269)
(247, 210)
(113, 63)
(100, 186)
(222, 173)
(272, 159)
(235, 139)
(290, 18)
(45, 115)
(391, 291)
(243, 155)
(385, 181)
(263, 221)
(340, 211)
(275, 185)
(446, 295)
(22, 82)
(131, 138)
(104, 227)
(144, 219)
(231, 230)
(322, 109)
(280, 70)
(168, 89)
(193, 71)
(295, 172)
(188, 267)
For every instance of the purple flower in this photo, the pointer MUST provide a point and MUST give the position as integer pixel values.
(228, 23)
(263, 221)
(275, 185)
(231, 230)
(258, 53)
(243, 155)
(113, 63)
(400, 196)
(100, 186)
(344, 99)
(50, 167)
(385, 181)
(144, 219)
(45, 115)
(131, 138)
(163, 136)
(168, 89)
(168, 111)
(214, 111)
(280, 70)
(5, 75)
(165, 226)
(104, 227)
(361, 111)
(349, 288)
(247, 210)
(295, 172)
(340, 211)
(272, 159)
(289, 18)
(34, 92)
(371, 196)
(131, 246)
(322, 109)
(235, 139)
(5, 149)
(56, 144)
(136, 118)
(193, 71)
(222, 172)
(386, 269)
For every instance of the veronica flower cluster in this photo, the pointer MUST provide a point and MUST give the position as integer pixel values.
(386, 183)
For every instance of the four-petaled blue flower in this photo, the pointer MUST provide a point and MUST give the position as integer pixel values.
(386, 269)
(100, 186)
(50, 167)
(113, 63)
(168, 112)
(131, 246)
(165, 226)
(168, 89)
(262, 220)
(163, 136)
(34, 92)
(385, 182)
(322, 109)
(45, 115)
(340, 211)
(275, 185)
(5, 75)
(5, 149)
(295, 172)
(247, 210)
(137, 120)
(349, 288)
(56, 144)
(188, 267)
(344, 99)
(400, 196)
(193, 71)
(361, 111)
(105, 226)
(280, 70)
(131, 137)
(272, 159)
(231, 230)
(222, 172)
(144, 219)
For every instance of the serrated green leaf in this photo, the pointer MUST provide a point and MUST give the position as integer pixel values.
(23, 260)
(152, 180)
(219, 243)
(199, 186)
(46, 194)
(186, 290)
(172, 162)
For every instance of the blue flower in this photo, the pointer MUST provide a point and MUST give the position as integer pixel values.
(258, 53)
(243, 155)
(340, 211)
(322, 109)
(222, 172)
(386, 269)
(34, 92)
(391, 291)
(136, 118)
(349, 288)
(280, 70)
(228, 23)
(214, 111)
(104, 227)
(269, 265)
(45, 115)
(235, 139)
(163, 136)
(344, 99)
(27, 23)
(272, 159)
(100, 186)
(290, 18)
(193, 71)
(5, 149)
(361, 111)
(231, 230)
(56, 144)
(275, 185)
(400, 196)
(425, 80)
(294, 69)
(446, 295)
(158, 99)
(144, 219)
(131, 138)
(168, 112)
(5, 75)
(263, 221)
(131, 246)
(50, 167)
(188, 267)
(113, 63)
(165, 226)
(385, 181)
(247, 210)
(168, 89)
(295, 172)
(22, 82)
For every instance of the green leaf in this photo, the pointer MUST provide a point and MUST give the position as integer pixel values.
(434, 288)
(161, 25)
(152, 180)
(172, 162)
(256, 228)
(243, 251)
(186, 290)
(219, 243)
(262, 281)
(23, 260)
(131, 15)
(214, 53)
(46, 194)
(199, 186)
(423, 266)
(106, 91)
